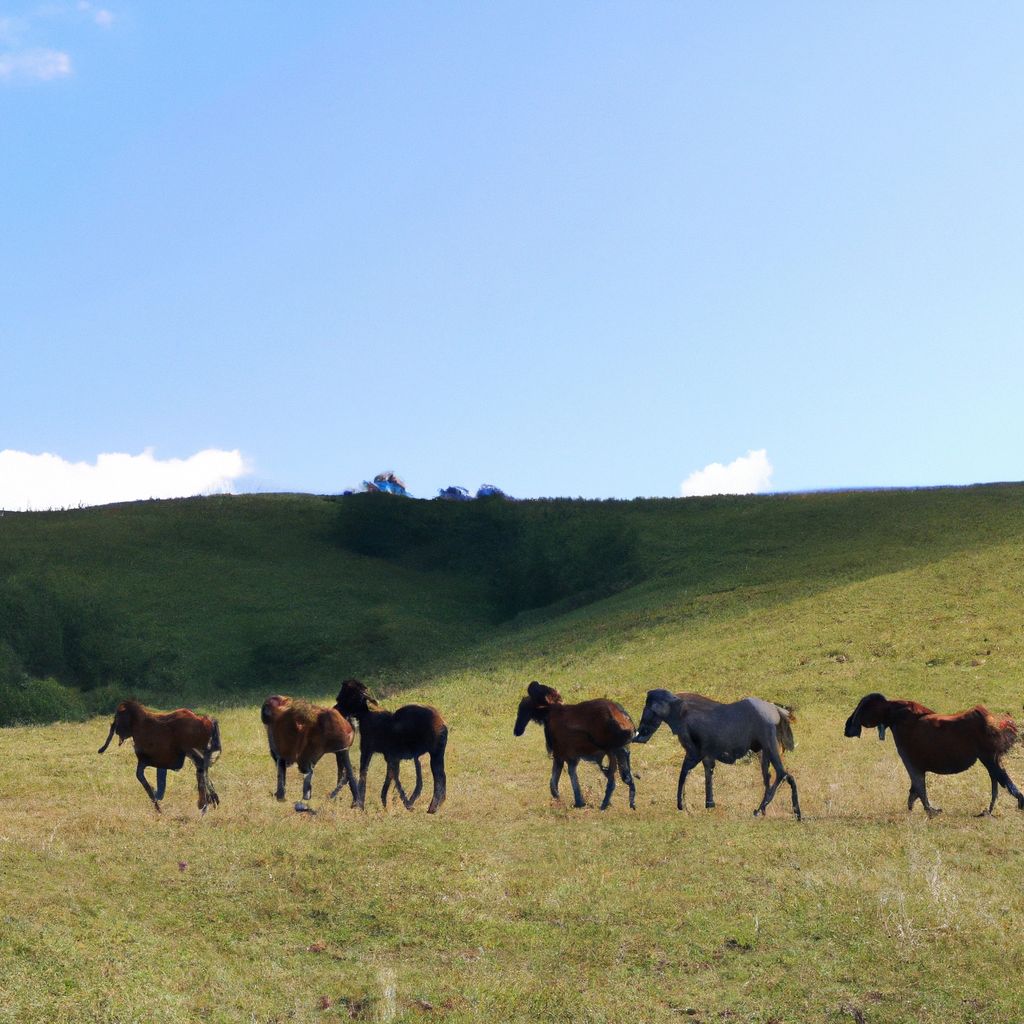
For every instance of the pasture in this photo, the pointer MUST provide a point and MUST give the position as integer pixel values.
(509, 907)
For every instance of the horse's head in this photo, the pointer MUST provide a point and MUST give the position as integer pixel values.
(124, 720)
(867, 715)
(656, 710)
(535, 705)
(354, 699)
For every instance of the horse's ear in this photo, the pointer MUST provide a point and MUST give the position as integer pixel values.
(536, 690)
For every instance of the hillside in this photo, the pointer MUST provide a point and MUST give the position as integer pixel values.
(508, 905)
(220, 599)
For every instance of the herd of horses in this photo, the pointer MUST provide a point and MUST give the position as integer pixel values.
(599, 731)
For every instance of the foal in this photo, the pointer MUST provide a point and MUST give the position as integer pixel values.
(300, 733)
(589, 731)
(406, 734)
(944, 744)
(163, 741)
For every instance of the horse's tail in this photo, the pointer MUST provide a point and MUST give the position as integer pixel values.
(626, 727)
(784, 728)
(1001, 731)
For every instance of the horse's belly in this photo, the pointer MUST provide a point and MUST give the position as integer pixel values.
(952, 766)
(732, 756)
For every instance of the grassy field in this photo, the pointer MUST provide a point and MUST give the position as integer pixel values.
(507, 906)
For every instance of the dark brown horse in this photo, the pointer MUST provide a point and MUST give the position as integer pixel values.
(589, 731)
(944, 744)
(163, 741)
(406, 734)
(300, 733)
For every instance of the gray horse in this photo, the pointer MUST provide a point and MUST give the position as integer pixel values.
(710, 731)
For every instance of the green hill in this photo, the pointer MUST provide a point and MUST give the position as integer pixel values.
(222, 599)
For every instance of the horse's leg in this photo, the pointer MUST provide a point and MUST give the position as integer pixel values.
(281, 766)
(780, 774)
(796, 798)
(997, 773)
(438, 775)
(418, 788)
(626, 774)
(307, 780)
(709, 785)
(161, 783)
(208, 793)
(140, 774)
(344, 771)
(364, 764)
(198, 760)
(556, 773)
(576, 791)
(918, 786)
(398, 784)
(911, 797)
(613, 764)
(1007, 783)
(917, 781)
(388, 775)
(689, 763)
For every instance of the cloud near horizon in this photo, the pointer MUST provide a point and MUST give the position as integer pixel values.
(749, 474)
(46, 481)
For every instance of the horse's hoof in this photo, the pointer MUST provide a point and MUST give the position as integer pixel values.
(709, 806)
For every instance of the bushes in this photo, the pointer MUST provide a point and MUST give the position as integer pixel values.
(25, 701)
(525, 554)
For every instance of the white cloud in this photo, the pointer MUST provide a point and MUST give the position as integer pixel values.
(47, 481)
(749, 474)
(100, 15)
(40, 65)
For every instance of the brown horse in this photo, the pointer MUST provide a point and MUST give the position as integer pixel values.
(589, 731)
(163, 741)
(301, 733)
(406, 734)
(944, 744)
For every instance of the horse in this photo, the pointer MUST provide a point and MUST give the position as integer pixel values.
(406, 734)
(589, 731)
(163, 741)
(301, 733)
(711, 731)
(943, 744)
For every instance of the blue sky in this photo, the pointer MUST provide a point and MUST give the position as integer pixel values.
(570, 249)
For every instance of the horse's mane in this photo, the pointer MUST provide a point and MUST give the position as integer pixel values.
(305, 712)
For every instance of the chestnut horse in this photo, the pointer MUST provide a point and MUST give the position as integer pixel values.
(589, 731)
(301, 733)
(944, 744)
(163, 741)
(406, 734)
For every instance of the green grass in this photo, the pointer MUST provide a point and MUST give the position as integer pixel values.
(507, 906)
